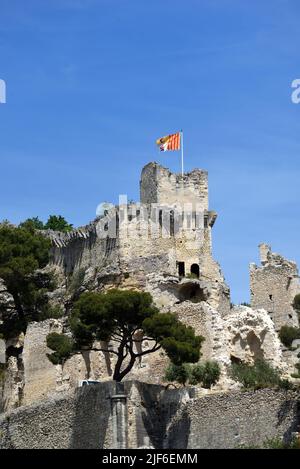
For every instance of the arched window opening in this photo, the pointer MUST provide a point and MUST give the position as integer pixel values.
(195, 271)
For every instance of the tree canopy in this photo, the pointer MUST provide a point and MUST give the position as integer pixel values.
(54, 222)
(22, 253)
(124, 320)
(57, 223)
(33, 223)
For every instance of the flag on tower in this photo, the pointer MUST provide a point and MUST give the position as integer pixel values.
(169, 142)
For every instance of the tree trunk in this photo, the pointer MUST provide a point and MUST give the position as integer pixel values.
(118, 374)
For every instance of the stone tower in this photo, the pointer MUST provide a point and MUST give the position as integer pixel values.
(273, 286)
(167, 233)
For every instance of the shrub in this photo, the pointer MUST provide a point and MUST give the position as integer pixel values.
(297, 375)
(278, 443)
(77, 280)
(192, 276)
(257, 376)
(62, 345)
(179, 373)
(53, 312)
(207, 373)
(274, 443)
(287, 334)
(2, 371)
(296, 303)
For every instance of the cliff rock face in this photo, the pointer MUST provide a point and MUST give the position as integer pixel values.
(7, 304)
(252, 335)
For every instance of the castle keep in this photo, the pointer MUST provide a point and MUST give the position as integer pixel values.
(167, 233)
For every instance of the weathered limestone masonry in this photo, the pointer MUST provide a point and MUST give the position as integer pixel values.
(151, 417)
(273, 287)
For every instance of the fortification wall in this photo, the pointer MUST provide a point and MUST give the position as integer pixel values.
(155, 417)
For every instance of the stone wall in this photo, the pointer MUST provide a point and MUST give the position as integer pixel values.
(155, 417)
(80, 420)
(236, 419)
(273, 286)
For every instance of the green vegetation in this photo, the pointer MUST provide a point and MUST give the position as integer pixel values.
(278, 443)
(192, 276)
(207, 373)
(54, 222)
(53, 312)
(296, 304)
(32, 224)
(258, 376)
(62, 345)
(128, 318)
(58, 223)
(22, 253)
(287, 334)
(2, 371)
(76, 281)
(275, 443)
(245, 304)
(297, 366)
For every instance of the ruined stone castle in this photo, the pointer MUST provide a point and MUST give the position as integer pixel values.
(162, 245)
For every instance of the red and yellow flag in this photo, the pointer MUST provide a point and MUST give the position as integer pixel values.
(169, 142)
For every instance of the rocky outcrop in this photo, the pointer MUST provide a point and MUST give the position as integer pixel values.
(7, 304)
(252, 335)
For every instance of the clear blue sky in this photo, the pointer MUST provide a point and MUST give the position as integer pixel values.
(92, 83)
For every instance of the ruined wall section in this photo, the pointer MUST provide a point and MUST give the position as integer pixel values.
(273, 286)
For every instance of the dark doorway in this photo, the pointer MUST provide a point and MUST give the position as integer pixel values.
(195, 270)
(181, 271)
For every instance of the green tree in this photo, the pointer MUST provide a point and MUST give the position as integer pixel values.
(58, 223)
(129, 318)
(31, 224)
(22, 253)
(62, 345)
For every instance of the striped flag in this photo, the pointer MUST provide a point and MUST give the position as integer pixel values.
(169, 142)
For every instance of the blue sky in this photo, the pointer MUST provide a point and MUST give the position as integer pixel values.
(92, 83)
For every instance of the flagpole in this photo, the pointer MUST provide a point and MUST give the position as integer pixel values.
(181, 134)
